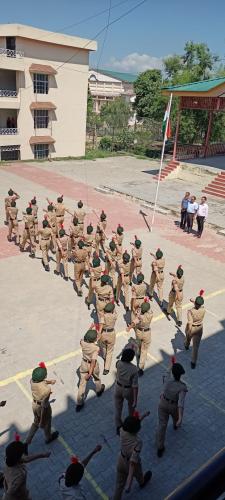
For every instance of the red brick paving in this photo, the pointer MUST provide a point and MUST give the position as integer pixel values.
(118, 210)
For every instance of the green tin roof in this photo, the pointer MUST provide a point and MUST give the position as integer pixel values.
(125, 77)
(202, 86)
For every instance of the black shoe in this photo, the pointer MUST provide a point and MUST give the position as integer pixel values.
(161, 304)
(47, 268)
(69, 259)
(101, 391)
(56, 272)
(118, 430)
(25, 449)
(9, 239)
(6, 223)
(179, 323)
(79, 408)
(32, 255)
(1, 480)
(66, 278)
(127, 309)
(167, 314)
(79, 294)
(140, 372)
(117, 302)
(53, 437)
(150, 297)
(105, 372)
(160, 452)
(147, 478)
(193, 365)
(88, 304)
(186, 347)
(21, 249)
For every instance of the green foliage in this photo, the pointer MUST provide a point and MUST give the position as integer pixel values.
(116, 114)
(106, 143)
(149, 100)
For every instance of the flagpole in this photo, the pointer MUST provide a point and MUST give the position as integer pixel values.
(161, 162)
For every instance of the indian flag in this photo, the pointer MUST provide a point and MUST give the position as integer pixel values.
(166, 128)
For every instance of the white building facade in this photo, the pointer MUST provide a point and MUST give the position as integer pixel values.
(105, 86)
(43, 93)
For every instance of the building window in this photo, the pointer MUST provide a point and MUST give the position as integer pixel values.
(40, 83)
(8, 153)
(40, 118)
(41, 151)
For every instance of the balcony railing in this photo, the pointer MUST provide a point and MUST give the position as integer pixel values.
(9, 131)
(8, 93)
(11, 53)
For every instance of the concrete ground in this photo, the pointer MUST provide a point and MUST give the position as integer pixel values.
(44, 320)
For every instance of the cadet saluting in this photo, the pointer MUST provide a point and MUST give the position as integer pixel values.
(176, 295)
(126, 386)
(194, 327)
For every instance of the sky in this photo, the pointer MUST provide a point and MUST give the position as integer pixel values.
(137, 42)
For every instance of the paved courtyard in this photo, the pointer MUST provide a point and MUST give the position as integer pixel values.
(43, 320)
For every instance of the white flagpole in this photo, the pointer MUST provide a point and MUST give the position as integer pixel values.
(161, 162)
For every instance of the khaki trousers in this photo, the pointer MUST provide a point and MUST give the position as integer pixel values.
(36, 229)
(165, 409)
(126, 289)
(120, 394)
(158, 283)
(84, 369)
(195, 336)
(100, 305)
(137, 267)
(145, 339)
(122, 474)
(178, 304)
(28, 235)
(64, 259)
(79, 269)
(45, 246)
(14, 228)
(107, 342)
(92, 284)
(53, 243)
(37, 410)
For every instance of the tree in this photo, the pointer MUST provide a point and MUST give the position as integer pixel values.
(195, 64)
(149, 101)
(116, 114)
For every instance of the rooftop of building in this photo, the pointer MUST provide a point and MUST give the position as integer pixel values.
(124, 77)
(32, 33)
(203, 87)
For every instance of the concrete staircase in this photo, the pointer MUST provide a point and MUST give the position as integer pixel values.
(217, 186)
(170, 169)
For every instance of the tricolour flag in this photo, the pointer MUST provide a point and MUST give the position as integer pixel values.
(166, 128)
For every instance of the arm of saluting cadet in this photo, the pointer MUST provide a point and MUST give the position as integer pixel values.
(32, 458)
(181, 408)
(86, 460)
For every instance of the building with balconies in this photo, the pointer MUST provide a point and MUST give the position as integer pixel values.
(43, 93)
(106, 85)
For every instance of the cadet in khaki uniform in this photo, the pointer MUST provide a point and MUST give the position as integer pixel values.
(89, 241)
(45, 237)
(124, 280)
(104, 293)
(136, 261)
(157, 276)
(80, 255)
(62, 253)
(51, 218)
(12, 195)
(194, 327)
(110, 263)
(28, 233)
(41, 391)
(139, 291)
(74, 236)
(107, 335)
(15, 471)
(119, 241)
(35, 214)
(176, 295)
(13, 222)
(89, 367)
(141, 325)
(80, 214)
(129, 461)
(100, 235)
(95, 276)
(60, 210)
(126, 385)
(171, 404)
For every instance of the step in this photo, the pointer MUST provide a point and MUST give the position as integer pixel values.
(221, 177)
(174, 162)
(216, 188)
(217, 183)
(212, 193)
(169, 169)
(216, 191)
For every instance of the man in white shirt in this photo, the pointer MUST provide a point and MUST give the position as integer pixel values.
(202, 215)
(191, 212)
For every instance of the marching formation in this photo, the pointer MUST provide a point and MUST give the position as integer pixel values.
(115, 278)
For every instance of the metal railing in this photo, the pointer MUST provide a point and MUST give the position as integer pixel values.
(11, 53)
(8, 93)
(9, 131)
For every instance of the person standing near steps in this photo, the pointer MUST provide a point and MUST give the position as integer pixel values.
(191, 213)
(194, 327)
(202, 215)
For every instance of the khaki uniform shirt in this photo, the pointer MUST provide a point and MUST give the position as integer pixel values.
(119, 239)
(15, 482)
(195, 317)
(109, 320)
(80, 255)
(127, 374)
(143, 321)
(125, 268)
(9, 199)
(137, 253)
(45, 233)
(111, 257)
(60, 210)
(174, 390)
(52, 220)
(29, 223)
(80, 214)
(74, 233)
(96, 272)
(139, 291)
(34, 210)
(90, 350)
(13, 212)
(41, 392)
(131, 446)
(104, 292)
(89, 240)
(63, 243)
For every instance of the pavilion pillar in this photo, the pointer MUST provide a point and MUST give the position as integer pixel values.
(177, 132)
(208, 133)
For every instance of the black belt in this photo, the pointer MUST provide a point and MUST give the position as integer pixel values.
(161, 271)
(96, 279)
(143, 329)
(108, 330)
(46, 239)
(139, 298)
(103, 300)
(37, 402)
(12, 219)
(124, 386)
(60, 215)
(86, 360)
(174, 291)
(79, 262)
(198, 325)
(79, 223)
(125, 275)
(170, 400)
